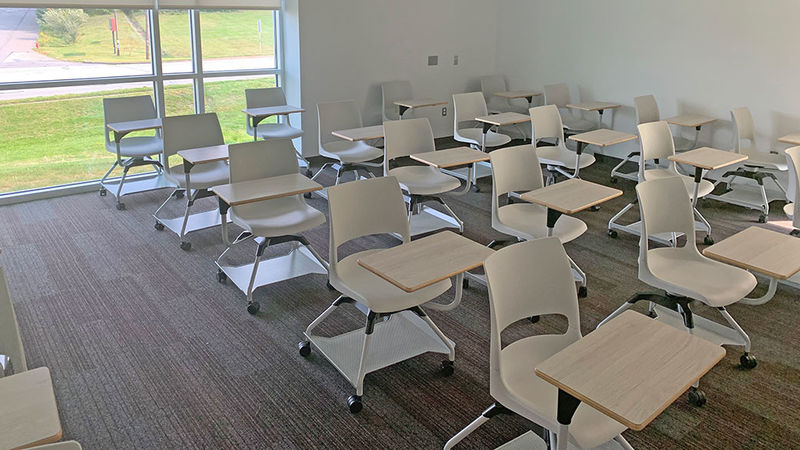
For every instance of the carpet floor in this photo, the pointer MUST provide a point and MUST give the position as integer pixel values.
(148, 350)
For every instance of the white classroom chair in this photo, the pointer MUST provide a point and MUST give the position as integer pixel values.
(364, 208)
(684, 274)
(546, 125)
(352, 156)
(392, 91)
(283, 129)
(657, 146)
(646, 110)
(423, 183)
(133, 151)
(517, 169)
(516, 292)
(466, 107)
(269, 222)
(759, 165)
(184, 133)
(791, 208)
(558, 94)
(12, 354)
(491, 84)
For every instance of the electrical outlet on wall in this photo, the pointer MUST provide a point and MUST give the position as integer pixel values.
(433, 60)
(444, 111)
(455, 60)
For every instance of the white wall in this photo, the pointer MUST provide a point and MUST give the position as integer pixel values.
(348, 47)
(704, 56)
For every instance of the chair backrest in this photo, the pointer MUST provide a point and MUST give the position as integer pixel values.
(793, 160)
(333, 116)
(466, 107)
(646, 109)
(363, 208)
(664, 207)
(263, 97)
(516, 292)
(491, 84)
(743, 128)
(392, 91)
(10, 340)
(190, 131)
(406, 137)
(124, 109)
(514, 169)
(546, 123)
(656, 143)
(557, 94)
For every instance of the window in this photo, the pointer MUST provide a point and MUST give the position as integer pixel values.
(60, 63)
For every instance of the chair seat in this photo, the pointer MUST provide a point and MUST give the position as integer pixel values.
(536, 399)
(374, 292)
(788, 209)
(277, 217)
(705, 186)
(424, 180)
(682, 272)
(202, 176)
(765, 160)
(577, 124)
(562, 157)
(474, 136)
(276, 131)
(529, 221)
(137, 146)
(350, 152)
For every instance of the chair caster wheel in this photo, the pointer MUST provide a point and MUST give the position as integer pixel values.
(594, 208)
(222, 277)
(178, 194)
(613, 180)
(330, 286)
(186, 246)
(748, 361)
(354, 404)
(120, 206)
(465, 284)
(304, 347)
(794, 233)
(582, 292)
(708, 240)
(159, 226)
(309, 173)
(697, 397)
(447, 368)
(253, 308)
(613, 234)
(762, 218)
(103, 192)
(307, 195)
(652, 314)
(534, 319)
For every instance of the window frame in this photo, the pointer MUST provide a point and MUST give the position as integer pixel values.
(157, 79)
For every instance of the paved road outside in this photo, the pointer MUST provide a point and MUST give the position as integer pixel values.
(19, 62)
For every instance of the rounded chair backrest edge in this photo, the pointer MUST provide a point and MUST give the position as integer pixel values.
(546, 123)
(406, 137)
(124, 109)
(466, 107)
(392, 91)
(557, 94)
(191, 131)
(515, 169)
(333, 116)
(491, 84)
(655, 140)
(665, 207)
(743, 127)
(646, 109)
(261, 159)
(363, 208)
(264, 97)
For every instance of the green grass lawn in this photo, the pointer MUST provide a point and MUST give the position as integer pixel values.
(224, 34)
(56, 140)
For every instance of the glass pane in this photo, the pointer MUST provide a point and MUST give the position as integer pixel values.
(68, 147)
(176, 41)
(237, 39)
(57, 44)
(226, 98)
(178, 97)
